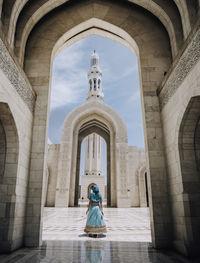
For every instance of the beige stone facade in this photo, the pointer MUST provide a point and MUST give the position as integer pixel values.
(136, 188)
(166, 37)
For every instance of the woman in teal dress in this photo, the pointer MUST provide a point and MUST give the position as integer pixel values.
(95, 223)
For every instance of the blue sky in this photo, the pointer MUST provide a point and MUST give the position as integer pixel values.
(120, 83)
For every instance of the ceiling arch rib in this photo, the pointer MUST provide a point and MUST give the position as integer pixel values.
(22, 35)
(182, 7)
(6, 13)
(28, 24)
(152, 39)
(1, 6)
(18, 6)
(32, 20)
(193, 9)
(170, 18)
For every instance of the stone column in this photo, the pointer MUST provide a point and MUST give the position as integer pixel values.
(35, 201)
(157, 174)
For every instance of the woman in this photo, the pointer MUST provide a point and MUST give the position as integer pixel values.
(95, 223)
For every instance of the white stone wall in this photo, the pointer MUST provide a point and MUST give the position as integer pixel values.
(136, 159)
(181, 86)
(52, 170)
(136, 162)
(87, 180)
(172, 115)
(14, 184)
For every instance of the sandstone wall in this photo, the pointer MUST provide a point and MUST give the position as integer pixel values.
(136, 159)
(52, 171)
(16, 105)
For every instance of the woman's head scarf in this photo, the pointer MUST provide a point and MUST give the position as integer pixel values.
(95, 189)
(95, 196)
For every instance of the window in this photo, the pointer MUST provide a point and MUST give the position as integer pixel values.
(99, 84)
(95, 84)
(90, 85)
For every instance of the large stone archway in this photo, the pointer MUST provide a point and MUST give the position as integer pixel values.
(154, 59)
(93, 116)
(165, 35)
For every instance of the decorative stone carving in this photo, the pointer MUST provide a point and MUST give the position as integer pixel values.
(13, 74)
(187, 61)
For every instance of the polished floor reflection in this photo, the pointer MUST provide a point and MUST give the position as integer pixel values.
(93, 251)
(123, 224)
(127, 241)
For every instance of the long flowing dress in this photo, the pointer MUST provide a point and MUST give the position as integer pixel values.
(95, 223)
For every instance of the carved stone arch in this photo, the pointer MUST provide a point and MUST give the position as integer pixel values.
(2, 149)
(100, 118)
(9, 148)
(189, 149)
(48, 6)
(154, 60)
(143, 185)
(89, 126)
(94, 26)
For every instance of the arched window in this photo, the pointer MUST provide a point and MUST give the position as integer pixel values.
(95, 84)
(90, 85)
(99, 84)
(2, 150)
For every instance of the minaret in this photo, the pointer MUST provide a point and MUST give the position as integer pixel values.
(93, 148)
(93, 155)
(94, 78)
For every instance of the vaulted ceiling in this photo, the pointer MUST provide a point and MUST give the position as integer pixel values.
(20, 19)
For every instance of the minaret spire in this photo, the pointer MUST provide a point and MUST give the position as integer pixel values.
(94, 78)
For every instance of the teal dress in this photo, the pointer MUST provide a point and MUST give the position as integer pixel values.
(95, 223)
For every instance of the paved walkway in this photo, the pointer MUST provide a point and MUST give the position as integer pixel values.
(123, 224)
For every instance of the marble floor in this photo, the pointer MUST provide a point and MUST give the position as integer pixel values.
(132, 224)
(127, 241)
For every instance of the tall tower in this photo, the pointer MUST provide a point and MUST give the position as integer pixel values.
(93, 155)
(94, 78)
(93, 149)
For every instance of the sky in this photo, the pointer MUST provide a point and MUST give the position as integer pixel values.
(120, 84)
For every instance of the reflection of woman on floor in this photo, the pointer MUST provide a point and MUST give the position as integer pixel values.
(95, 223)
(94, 251)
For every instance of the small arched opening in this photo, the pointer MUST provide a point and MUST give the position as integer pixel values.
(9, 149)
(91, 128)
(189, 152)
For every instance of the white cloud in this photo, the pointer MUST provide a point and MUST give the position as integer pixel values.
(65, 92)
(69, 79)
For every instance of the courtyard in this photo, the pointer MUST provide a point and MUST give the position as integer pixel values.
(123, 224)
(128, 239)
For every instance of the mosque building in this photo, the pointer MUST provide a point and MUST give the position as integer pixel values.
(93, 163)
(165, 36)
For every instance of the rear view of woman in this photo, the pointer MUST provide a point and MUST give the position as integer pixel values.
(95, 224)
